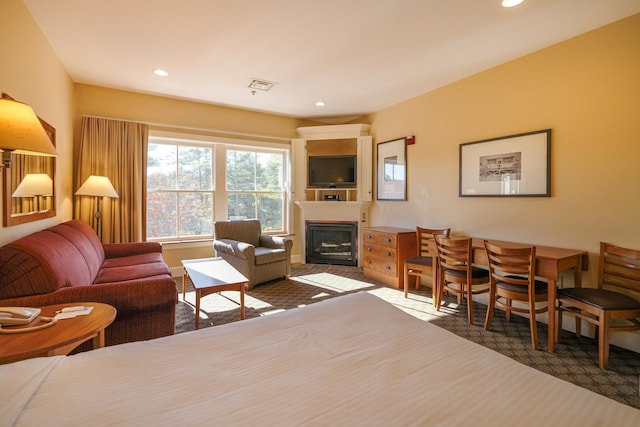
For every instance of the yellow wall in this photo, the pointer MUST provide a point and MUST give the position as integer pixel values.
(32, 73)
(587, 90)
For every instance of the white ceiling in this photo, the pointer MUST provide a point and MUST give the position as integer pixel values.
(358, 56)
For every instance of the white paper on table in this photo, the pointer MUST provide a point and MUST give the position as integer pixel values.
(71, 312)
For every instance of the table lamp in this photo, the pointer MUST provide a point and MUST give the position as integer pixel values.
(21, 131)
(35, 185)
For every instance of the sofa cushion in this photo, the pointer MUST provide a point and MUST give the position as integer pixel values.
(132, 267)
(266, 255)
(83, 237)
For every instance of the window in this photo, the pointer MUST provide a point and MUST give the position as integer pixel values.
(179, 190)
(255, 189)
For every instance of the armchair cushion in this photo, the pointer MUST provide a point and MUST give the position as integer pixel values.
(268, 255)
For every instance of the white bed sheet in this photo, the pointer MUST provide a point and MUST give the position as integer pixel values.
(352, 360)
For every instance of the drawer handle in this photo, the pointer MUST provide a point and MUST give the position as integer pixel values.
(369, 236)
(369, 249)
(388, 267)
(388, 254)
(388, 240)
(368, 261)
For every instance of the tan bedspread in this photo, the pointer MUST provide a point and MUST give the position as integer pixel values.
(352, 360)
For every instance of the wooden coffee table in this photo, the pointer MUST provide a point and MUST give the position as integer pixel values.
(210, 276)
(60, 338)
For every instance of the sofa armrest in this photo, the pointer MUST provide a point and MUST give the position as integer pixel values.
(235, 248)
(131, 297)
(116, 250)
(275, 242)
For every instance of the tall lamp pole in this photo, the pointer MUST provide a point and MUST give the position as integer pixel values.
(97, 186)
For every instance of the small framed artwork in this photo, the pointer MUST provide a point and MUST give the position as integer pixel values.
(509, 166)
(392, 170)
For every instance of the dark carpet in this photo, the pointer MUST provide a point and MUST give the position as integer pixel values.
(574, 360)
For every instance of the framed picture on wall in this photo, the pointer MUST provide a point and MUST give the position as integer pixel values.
(509, 166)
(392, 170)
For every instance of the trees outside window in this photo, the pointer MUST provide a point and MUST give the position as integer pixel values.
(255, 187)
(179, 191)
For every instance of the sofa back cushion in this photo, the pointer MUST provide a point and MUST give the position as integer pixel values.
(246, 230)
(67, 254)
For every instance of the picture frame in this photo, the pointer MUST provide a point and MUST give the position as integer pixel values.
(392, 170)
(508, 166)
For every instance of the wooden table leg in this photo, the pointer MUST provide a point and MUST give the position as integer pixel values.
(551, 301)
(98, 340)
(198, 295)
(242, 285)
(185, 276)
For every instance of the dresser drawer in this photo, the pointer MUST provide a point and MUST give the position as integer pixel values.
(386, 266)
(380, 252)
(379, 238)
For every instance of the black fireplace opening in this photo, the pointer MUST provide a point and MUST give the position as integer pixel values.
(333, 242)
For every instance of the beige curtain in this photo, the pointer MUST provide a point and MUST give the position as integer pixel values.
(118, 150)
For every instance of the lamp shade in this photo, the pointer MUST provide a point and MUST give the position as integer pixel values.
(97, 186)
(21, 131)
(34, 184)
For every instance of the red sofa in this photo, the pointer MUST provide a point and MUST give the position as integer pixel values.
(67, 263)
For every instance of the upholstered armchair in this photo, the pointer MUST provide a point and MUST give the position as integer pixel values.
(259, 257)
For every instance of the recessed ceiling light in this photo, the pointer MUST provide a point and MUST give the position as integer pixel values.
(511, 3)
(320, 104)
(159, 72)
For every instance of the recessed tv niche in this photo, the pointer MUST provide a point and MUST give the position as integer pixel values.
(332, 171)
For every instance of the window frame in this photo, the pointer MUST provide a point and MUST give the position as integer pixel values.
(284, 191)
(220, 145)
(183, 142)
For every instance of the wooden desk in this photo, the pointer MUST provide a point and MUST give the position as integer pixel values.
(60, 338)
(550, 263)
(212, 275)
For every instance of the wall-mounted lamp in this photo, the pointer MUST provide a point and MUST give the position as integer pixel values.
(21, 131)
(35, 185)
(97, 186)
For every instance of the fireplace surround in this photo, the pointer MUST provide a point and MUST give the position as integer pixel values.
(331, 242)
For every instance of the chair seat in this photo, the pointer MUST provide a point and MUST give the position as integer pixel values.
(426, 261)
(539, 288)
(601, 298)
(269, 255)
(476, 273)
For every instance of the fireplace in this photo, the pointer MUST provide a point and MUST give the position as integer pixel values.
(332, 242)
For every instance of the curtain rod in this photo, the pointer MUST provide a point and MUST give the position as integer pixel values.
(165, 125)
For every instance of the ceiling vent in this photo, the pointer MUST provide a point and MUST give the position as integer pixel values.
(260, 84)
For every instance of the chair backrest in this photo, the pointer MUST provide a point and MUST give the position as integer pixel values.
(454, 254)
(425, 239)
(511, 265)
(619, 268)
(246, 230)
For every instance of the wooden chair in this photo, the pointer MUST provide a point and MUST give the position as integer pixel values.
(456, 273)
(614, 305)
(425, 262)
(512, 278)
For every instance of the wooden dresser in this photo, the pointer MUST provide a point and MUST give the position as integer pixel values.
(384, 252)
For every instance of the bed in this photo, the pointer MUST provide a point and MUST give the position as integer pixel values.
(350, 360)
